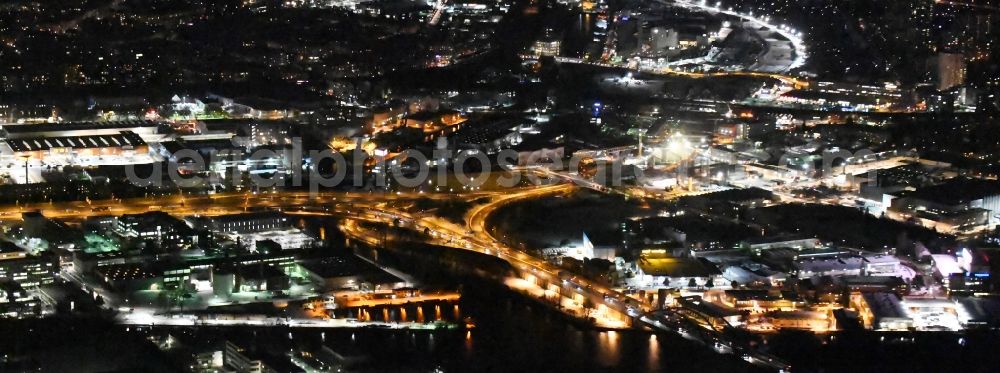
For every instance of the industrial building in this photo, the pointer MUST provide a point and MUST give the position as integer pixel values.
(958, 205)
(123, 143)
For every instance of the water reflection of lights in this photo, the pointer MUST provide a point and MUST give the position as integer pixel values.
(609, 342)
(653, 355)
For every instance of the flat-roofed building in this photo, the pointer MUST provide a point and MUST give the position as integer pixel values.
(837, 266)
(78, 129)
(129, 276)
(26, 270)
(677, 272)
(716, 315)
(244, 223)
(786, 241)
(123, 143)
(16, 302)
(874, 265)
(881, 311)
(957, 205)
(800, 319)
(751, 273)
(157, 226)
(757, 301)
(868, 284)
(349, 272)
(242, 361)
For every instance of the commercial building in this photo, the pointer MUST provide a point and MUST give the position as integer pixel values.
(143, 275)
(157, 226)
(845, 96)
(244, 223)
(879, 187)
(587, 249)
(439, 122)
(257, 272)
(87, 262)
(758, 245)
(39, 229)
(873, 284)
(250, 133)
(799, 319)
(970, 283)
(660, 38)
(125, 277)
(260, 277)
(881, 265)
(16, 302)
(747, 197)
(957, 205)
(146, 129)
(982, 311)
(886, 311)
(223, 275)
(239, 360)
(838, 266)
(488, 135)
(124, 143)
(677, 272)
(752, 273)
(277, 239)
(950, 70)
(9, 250)
(880, 311)
(548, 45)
(348, 272)
(26, 270)
(935, 314)
(715, 315)
(757, 301)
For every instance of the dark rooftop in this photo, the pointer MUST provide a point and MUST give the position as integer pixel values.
(956, 191)
(677, 267)
(341, 266)
(697, 304)
(739, 195)
(429, 115)
(8, 247)
(125, 138)
(77, 126)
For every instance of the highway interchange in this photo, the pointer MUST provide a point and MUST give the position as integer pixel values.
(537, 277)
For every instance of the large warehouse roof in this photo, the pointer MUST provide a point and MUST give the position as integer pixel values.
(123, 139)
(76, 126)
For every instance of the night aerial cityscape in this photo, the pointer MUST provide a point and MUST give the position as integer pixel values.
(499, 186)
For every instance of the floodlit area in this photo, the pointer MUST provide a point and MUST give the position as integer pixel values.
(935, 314)
(576, 305)
(30, 171)
(289, 238)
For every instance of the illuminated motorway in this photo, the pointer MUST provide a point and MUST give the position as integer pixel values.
(222, 204)
(537, 277)
(439, 8)
(372, 207)
(543, 280)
